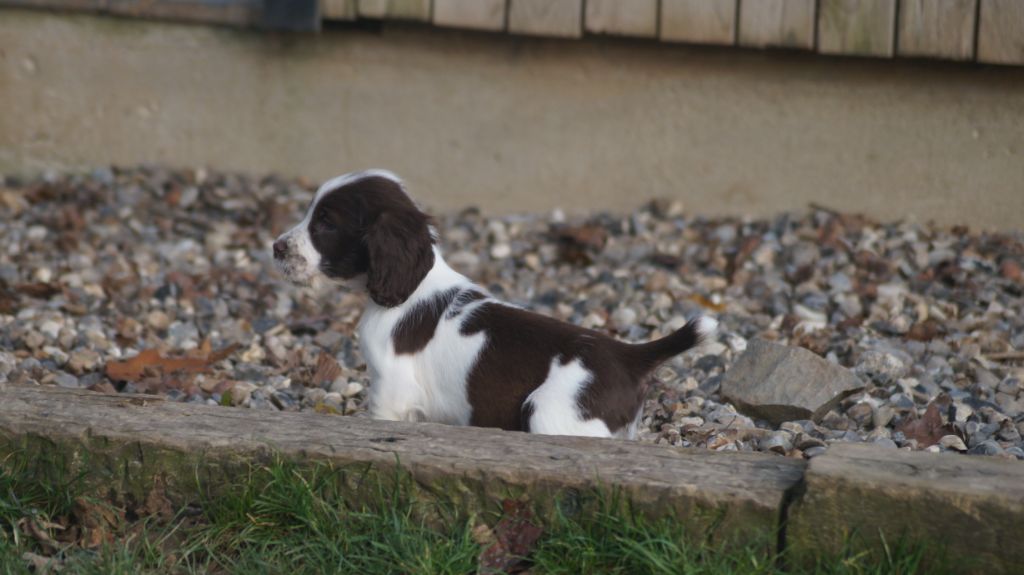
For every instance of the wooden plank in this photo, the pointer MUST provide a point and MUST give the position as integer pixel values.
(741, 493)
(1001, 32)
(229, 12)
(777, 23)
(622, 17)
(338, 9)
(970, 507)
(473, 14)
(562, 18)
(857, 27)
(395, 9)
(699, 21)
(937, 28)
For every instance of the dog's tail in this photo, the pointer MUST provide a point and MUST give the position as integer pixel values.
(644, 357)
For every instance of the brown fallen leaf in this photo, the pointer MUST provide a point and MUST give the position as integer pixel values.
(706, 303)
(929, 429)
(150, 363)
(578, 243)
(327, 369)
(157, 502)
(39, 290)
(98, 521)
(515, 536)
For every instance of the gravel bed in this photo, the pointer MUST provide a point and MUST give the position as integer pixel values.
(98, 267)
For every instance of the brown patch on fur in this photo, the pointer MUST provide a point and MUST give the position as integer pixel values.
(521, 346)
(416, 328)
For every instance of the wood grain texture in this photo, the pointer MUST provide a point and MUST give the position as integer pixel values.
(777, 23)
(561, 18)
(622, 17)
(857, 27)
(395, 9)
(699, 21)
(937, 28)
(973, 507)
(743, 491)
(473, 14)
(1001, 32)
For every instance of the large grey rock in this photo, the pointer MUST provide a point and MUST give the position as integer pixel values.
(779, 383)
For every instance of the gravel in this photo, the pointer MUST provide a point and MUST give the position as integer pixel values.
(98, 267)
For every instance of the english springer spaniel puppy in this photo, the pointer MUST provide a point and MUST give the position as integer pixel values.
(440, 348)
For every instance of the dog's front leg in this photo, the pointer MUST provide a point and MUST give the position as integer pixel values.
(395, 396)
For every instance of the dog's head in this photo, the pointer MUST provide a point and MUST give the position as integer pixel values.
(360, 227)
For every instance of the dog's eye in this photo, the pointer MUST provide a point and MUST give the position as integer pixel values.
(322, 223)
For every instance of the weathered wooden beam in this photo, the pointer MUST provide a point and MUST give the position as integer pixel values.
(857, 27)
(937, 28)
(971, 508)
(130, 440)
(1001, 32)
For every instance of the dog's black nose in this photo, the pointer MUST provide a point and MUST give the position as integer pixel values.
(280, 249)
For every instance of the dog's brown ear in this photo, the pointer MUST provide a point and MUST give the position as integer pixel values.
(401, 254)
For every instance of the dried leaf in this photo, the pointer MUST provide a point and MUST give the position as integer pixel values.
(99, 522)
(150, 363)
(39, 290)
(930, 428)
(327, 369)
(157, 502)
(515, 536)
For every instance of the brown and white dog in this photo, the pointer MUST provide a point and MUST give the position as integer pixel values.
(442, 349)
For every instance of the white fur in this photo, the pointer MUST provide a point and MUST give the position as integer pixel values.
(556, 402)
(429, 385)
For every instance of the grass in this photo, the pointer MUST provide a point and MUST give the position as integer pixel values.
(284, 518)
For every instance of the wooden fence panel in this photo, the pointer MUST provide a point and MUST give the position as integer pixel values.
(622, 17)
(937, 28)
(699, 21)
(562, 18)
(777, 23)
(1001, 32)
(475, 14)
(338, 9)
(857, 27)
(395, 9)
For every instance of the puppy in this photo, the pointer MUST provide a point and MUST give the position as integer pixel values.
(442, 349)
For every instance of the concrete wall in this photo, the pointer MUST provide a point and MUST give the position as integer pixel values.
(514, 124)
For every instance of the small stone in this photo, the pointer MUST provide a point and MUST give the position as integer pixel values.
(812, 452)
(779, 383)
(241, 392)
(623, 318)
(778, 442)
(158, 320)
(83, 360)
(881, 366)
(885, 442)
(65, 379)
(501, 251)
(953, 442)
(883, 415)
(861, 413)
(352, 389)
(988, 447)
(1008, 432)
